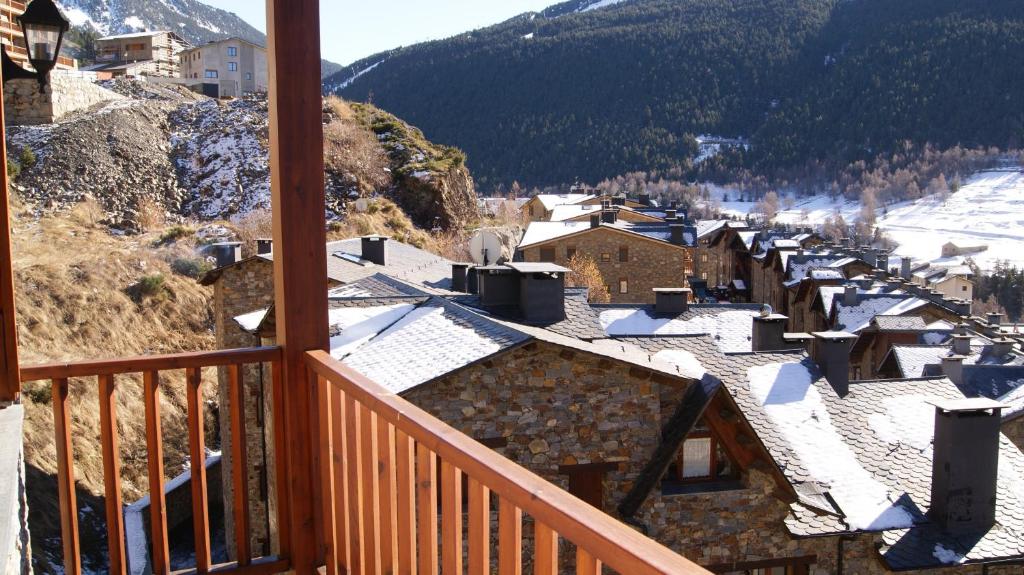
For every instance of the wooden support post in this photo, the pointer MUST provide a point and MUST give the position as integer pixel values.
(10, 380)
(300, 264)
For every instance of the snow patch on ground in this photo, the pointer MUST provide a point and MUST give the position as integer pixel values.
(601, 4)
(687, 363)
(356, 76)
(788, 396)
(135, 23)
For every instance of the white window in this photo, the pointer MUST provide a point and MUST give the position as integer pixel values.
(696, 460)
(212, 74)
(623, 285)
(232, 51)
(232, 66)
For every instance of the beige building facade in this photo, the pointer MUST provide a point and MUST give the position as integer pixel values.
(226, 69)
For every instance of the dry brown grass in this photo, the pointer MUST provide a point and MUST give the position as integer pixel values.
(75, 302)
(351, 149)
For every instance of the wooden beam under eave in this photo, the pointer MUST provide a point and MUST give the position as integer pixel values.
(300, 267)
(10, 379)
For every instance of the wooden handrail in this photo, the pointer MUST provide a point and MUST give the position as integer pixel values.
(601, 538)
(150, 363)
(150, 367)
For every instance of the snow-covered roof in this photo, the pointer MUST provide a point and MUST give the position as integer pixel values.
(550, 201)
(131, 35)
(854, 318)
(540, 232)
(731, 326)
(564, 212)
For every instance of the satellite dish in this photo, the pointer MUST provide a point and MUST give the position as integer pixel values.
(362, 204)
(766, 310)
(486, 247)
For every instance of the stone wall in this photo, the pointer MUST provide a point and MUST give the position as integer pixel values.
(1014, 429)
(651, 263)
(15, 542)
(66, 92)
(244, 288)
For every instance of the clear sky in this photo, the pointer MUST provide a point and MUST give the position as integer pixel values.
(354, 29)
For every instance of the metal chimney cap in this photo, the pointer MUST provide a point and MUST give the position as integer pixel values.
(226, 244)
(834, 335)
(673, 290)
(967, 404)
(537, 268)
(375, 238)
(797, 336)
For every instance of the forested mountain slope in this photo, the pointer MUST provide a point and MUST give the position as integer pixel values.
(592, 90)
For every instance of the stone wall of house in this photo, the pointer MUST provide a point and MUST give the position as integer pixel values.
(65, 93)
(651, 263)
(1014, 429)
(554, 407)
(241, 289)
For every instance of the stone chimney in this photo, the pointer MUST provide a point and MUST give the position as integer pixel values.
(676, 234)
(459, 277)
(883, 262)
(541, 291)
(832, 354)
(905, 268)
(850, 295)
(965, 464)
(961, 328)
(619, 200)
(672, 301)
(609, 216)
(1002, 347)
(994, 318)
(264, 246)
(953, 368)
(962, 345)
(375, 249)
(595, 220)
(472, 285)
(645, 199)
(498, 286)
(769, 332)
(227, 253)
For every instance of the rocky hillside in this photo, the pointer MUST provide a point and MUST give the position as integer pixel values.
(188, 157)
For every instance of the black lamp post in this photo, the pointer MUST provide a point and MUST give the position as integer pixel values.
(43, 26)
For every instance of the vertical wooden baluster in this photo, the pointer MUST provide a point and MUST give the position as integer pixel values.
(406, 499)
(239, 464)
(386, 481)
(280, 460)
(327, 487)
(155, 455)
(426, 510)
(197, 459)
(479, 528)
(341, 497)
(545, 549)
(586, 564)
(112, 474)
(371, 490)
(66, 478)
(510, 539)
(451, 519)
(353, 455)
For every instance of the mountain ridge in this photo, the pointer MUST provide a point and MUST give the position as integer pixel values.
(545, 98)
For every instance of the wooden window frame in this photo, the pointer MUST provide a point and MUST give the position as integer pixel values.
(570, 251)
(606, 257)
(623, 285)
(582, 473)
(623, 254)
(713, 462)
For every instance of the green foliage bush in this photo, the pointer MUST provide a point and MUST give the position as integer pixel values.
(152, 285)
(191, 267)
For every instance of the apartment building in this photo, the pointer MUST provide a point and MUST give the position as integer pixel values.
(227, 68)
(13, 39)
(140, 54)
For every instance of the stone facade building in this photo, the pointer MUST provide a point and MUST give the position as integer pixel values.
(633, 260)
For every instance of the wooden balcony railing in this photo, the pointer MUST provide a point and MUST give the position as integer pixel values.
(379, 458)
(105, 373)
(384, 465)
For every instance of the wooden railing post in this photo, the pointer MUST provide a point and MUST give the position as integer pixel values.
(10, 382)
(300, 265)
